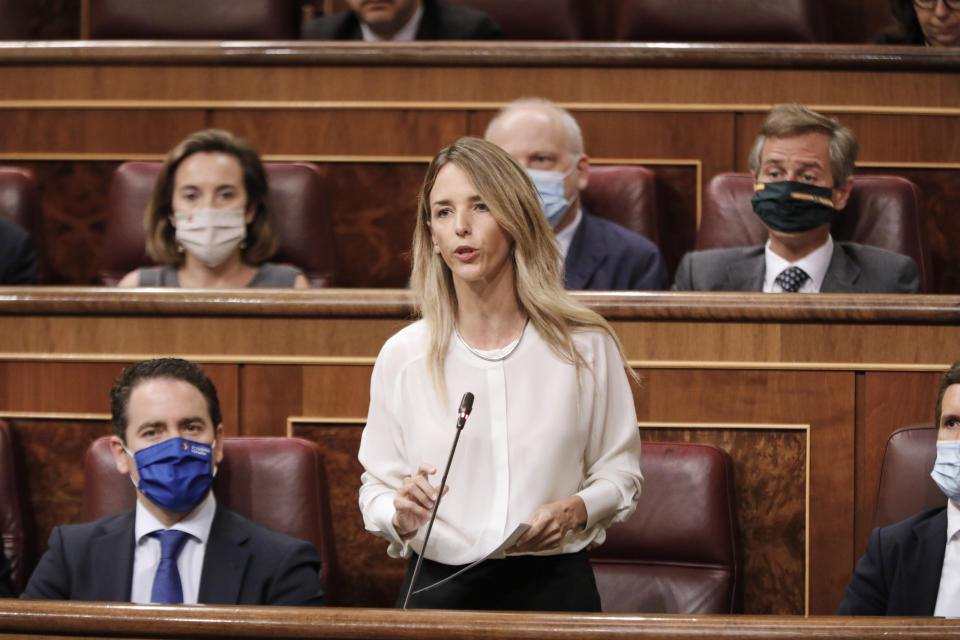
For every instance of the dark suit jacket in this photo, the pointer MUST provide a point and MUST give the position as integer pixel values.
(899, 575)
(854, 268)
(244, 563)
(440, 21)
(18, 260)
(604, 255)
(6, 578)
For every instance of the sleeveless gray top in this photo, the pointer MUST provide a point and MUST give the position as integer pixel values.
(270, 274)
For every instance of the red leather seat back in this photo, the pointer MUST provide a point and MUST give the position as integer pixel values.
(277, 482)
(677, 553)
(905, 486)
(298, 200)
(625, 194)
(538, 19)
(189, 19)
(722, 20)
(883, 211)
(11, 517)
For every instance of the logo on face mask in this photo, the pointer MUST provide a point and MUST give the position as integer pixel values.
(211, 235)
(175, 474)
(550, 187)
(946, 470)
(793, 207)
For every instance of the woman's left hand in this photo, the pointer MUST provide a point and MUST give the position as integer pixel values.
(550, 523)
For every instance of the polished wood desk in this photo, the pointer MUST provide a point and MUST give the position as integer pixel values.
(40, 619)
(372, 115)
(802, 391)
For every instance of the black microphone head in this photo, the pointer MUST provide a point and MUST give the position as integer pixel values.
(466, 404)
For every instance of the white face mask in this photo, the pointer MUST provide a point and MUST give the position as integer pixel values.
(211, 235)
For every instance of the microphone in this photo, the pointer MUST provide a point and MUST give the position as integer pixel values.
(466, 406)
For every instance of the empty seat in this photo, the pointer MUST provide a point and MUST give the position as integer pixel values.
(188, 19)
(297, 200)
(677, 553)
(625, 194)
(883, 211)
(279, 483)
(722, 20)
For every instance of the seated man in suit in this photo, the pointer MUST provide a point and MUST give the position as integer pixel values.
(178, 544)
(598, 254)
(912, 568)
(373, 20)
(803, 165)
(18, 259)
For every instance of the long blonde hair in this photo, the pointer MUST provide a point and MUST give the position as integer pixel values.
(538, 280)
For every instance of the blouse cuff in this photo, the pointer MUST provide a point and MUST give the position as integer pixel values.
(602, 500)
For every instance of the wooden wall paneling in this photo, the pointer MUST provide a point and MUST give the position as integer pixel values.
(49, 461)
(825, 401)
(416, 130)
(940, 228)
(147, 337)
(62, 387)
(370, 577)
(333, 390)
(95, 130)
(770, 503)
(374, 208)
(269, 395)
(893, 399)
(698, 342)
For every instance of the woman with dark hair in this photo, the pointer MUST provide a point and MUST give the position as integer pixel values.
(552, 441)
(207, 222)
(935, 23)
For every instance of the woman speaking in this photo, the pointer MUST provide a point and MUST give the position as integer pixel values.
(552, 440)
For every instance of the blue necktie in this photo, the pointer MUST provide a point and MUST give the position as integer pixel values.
(166, 584)
(791, 279)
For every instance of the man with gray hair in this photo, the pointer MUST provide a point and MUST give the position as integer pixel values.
(598, 254)
(803, 164)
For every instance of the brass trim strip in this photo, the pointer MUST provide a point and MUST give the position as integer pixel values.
(54, 415)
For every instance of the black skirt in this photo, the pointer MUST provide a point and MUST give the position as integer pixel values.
(561, 582)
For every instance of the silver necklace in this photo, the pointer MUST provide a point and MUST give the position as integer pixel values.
(508, 350)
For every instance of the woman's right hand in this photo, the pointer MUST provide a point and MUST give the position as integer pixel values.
(414, 501)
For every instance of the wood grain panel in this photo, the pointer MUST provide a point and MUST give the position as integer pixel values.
(346, 132)
(370, 577)
(823, 400)
(374, 212)
(336, 391)
(893, 399)
(96, 130)
(770, 503)
(269, 395)
(49, 459)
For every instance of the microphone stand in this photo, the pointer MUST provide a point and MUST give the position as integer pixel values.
(466, 405)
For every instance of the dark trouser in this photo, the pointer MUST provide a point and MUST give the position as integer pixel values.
(516, 583)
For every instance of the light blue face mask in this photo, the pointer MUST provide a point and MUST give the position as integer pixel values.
(946, 470)
(550, 187)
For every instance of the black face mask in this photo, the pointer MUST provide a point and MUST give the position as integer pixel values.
(793, 207)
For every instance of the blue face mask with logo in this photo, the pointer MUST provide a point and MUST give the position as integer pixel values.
(946, 470)
(550, 187)
(175, 474)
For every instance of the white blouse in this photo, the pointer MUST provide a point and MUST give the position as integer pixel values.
(534, 437)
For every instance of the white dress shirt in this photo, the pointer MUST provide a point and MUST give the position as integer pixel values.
(535, 436)
(406, 33)
(146, 553)
(815, 264)
(948, 597)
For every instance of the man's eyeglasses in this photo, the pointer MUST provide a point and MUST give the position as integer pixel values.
(932, 4)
